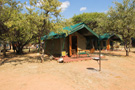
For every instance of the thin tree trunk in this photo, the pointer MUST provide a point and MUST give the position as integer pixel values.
(4, 49)
(126, 49)
(127, 53)
(42, 56)
(44, 46)
(29, 49)
(10, 46)
(39, 41)
(0, 50)
(130, 45)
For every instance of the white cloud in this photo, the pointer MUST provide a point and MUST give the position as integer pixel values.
(83, 8)
(106, 11)
(27, 6)
(64, 5)
(39, 3)
(19, 4)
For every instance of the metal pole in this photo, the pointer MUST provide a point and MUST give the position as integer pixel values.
(99, 54)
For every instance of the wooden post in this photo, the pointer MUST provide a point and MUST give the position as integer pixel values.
(77, 45)
(108, 44)
(70, 45)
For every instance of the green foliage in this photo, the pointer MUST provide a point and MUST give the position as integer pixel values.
(22, 28)
(90, 19)
(7, 8)
(121, 20)
(48, 9)
(60, 24)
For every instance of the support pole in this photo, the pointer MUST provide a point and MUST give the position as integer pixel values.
(70, 45)
(99, 54)
(99, 59)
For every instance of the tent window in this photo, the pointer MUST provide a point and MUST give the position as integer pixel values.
(104, 43)
(89, 43)
(88, 46)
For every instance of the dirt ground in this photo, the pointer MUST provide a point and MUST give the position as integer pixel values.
(25, 72)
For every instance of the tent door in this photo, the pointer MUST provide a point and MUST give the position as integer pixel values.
(73, 44)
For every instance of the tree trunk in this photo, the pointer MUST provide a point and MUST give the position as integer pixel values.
(0, 50)
(10, 46)
(29, 49)
(42, 56)
(127, 52)
(126, 49)
(19, 49)
(4, 49)
(39, 40)
(44, 46)
(130, 45)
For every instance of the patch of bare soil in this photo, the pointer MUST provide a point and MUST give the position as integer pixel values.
(25, 72)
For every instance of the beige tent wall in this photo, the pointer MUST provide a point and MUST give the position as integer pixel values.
(66, 45)
(53, 47)
(81, 41)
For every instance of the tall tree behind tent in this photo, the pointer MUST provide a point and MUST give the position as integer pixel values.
(89, 19)
(7, 9)
(121, 20)
(48, 9)
(32, 24)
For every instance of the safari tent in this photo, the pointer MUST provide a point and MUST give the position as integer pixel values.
(79, 37)
(107, 40)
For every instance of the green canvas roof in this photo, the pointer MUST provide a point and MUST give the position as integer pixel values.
(71, 29)
(107, 36)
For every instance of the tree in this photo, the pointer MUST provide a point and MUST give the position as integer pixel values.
(25, 27)
(48, 10)
(22, 29)
(121, 20)
(90, 19)
(7, 8)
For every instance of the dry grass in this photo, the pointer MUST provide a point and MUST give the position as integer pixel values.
(24, 72)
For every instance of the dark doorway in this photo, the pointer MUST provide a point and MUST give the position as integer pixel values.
(74, 42)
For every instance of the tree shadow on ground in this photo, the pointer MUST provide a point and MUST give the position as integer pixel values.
(109, 54)
(133, 51)
(20, 59)
(14, 54)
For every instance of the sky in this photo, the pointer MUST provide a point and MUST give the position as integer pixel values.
(75, 7)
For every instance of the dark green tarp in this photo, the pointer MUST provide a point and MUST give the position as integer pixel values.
(70, 30)
(107, 36)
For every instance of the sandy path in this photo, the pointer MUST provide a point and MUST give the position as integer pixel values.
(118, 73)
